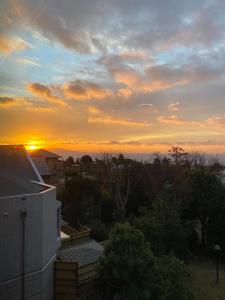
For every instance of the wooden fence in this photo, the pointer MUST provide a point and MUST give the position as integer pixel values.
(69, 278)
(66, 274)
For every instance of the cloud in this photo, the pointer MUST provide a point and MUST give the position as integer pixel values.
(13, 101)
(85, 90)
(28, 61)
(43, 91)
(7, 101)
(94, 110)
(163, 77)
(174, 120)
(174, 106)
(98, 116)
(153, 80)
(41, 109)
(215, 121)
(144, 24)
(9, 44)
(52, 23)
(146, 105)
(132, 57)
(117, 121)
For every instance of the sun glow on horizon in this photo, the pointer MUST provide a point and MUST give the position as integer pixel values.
(33, 145)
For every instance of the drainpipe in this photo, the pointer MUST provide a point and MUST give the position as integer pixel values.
(23, 215)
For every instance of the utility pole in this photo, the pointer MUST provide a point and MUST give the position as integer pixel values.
(217, 249)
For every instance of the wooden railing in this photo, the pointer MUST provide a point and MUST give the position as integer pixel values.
(75, 235)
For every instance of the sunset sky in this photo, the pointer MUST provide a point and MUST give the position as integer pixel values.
(110, 75)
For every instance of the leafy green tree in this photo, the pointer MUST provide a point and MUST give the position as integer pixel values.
(162, 226)
(128, 268)
(151, 227)
(174, 278)
(99, 230)
(164, 237)
(130, 271)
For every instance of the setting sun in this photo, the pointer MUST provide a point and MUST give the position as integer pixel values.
(32, 147)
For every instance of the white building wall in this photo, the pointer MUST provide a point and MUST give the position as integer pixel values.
(40, 245)
(38, 285)
(49, 225)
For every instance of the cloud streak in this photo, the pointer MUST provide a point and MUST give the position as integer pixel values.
(7, 101)
(44, 92)
(98, 116)
(85, 90)
(9, 44)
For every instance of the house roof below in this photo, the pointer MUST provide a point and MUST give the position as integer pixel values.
(44, 153)
(18, 174)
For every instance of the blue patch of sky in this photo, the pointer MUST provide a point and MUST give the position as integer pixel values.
(177, 56)
(56, 63)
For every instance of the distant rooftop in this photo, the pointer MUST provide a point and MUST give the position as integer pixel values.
(41, 165)
(44, 153)
(86, 252)
(18, 174)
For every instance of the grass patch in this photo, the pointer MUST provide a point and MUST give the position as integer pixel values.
(203, 281)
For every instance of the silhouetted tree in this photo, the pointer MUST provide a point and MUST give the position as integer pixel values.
(204, 200)
(69, 161)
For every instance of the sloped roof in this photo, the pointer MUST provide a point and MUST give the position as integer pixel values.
(41, 165)
(44, 153)
(18, 174)
(84, 253)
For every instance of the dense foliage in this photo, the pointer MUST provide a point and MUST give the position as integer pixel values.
(175, 198)
(130, 271)
(175, 206)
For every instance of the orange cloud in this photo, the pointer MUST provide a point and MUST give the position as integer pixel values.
(174, 106)
(117, 121)
(215, 122)
(98, 116)
(41, 109)
(7, 101)
(45, 92)
(85, 90)
(11, 101)
(9, 44)
(128, 77)
(94, 110)
(152, 81)
(172, 120)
